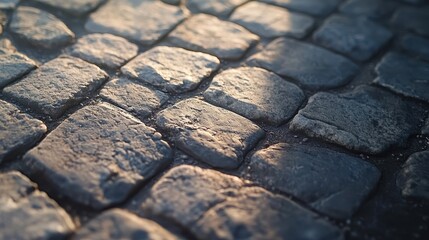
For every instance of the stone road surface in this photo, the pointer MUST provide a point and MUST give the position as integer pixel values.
(214, 119)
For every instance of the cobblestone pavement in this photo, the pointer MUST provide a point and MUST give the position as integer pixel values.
(214, 119)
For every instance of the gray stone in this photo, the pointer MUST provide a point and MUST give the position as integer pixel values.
(367, 119)
(18, 131)
(414, 19)
(210, 134)
(98, 156)
(8, 4)
(133, 97)
(171, 69)
(104, 50)
(413, 179)
(144, 21)
(271, 21)
(415, 45)
(57, 85)
(332, 183)
(209, 34)
(119, 224)
(217, 206)
(255, 94)
(375, 9)
(425, 129)
(313, 67)
(75, 7)
(404, 75)
(28, 214)
(174, 2)
(13, 66)
(40, 28)
(357, 38)
(313, 7)
(214, 7)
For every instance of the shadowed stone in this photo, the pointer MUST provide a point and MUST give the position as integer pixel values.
(210, 134)
(311, 66)
(415, 19)
(255, 94)
(174, 2)
(8, 4)
(367, 8)
(313, 7)
(367, 119)
(413, 179)
(171, 69)
(415, 45)
(18, 131)
(209, 34)
(75, 7)
(404, 75)
(144, 21)
(425, 129)
(57, 85)
(98, 155)
(13, 66)
(40, 28)
(307, 173)
(271, 21)
(214, 7)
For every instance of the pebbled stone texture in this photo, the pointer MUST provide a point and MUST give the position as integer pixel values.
(366, 119)
(313, 67)
(40, 28)
(125, 17)
(18, 131)
(75, 7)
(29, 214)
(210, 134)
(8, 4)
(415, 45)
(271, 21)
(357, 38)
(214, 7)
(256, 94)
(171, 69)
(211, 35)
(413, 179)
(330, 182)
(313, 7)
(104, 50)
(13, 66)
(414, 19)
(374, 9)
(57, 85)
(404, 75)
(98, 156)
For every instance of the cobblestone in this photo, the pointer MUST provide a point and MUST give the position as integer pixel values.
(425, 129)
(75, 7)
(413, 178)
(313, 7)
(415, 45)
(374, 9)
(214, 7)
(414, 19)
(13, 66)
(8, 4)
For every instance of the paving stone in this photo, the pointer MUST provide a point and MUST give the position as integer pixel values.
(29, 214)
(18, 131)
(104, 50)
(6, 46)
(75, 7)
(357, 38)
(40, 28)
(125, 17)
(209, 34)
(174, 2)
(217, 206)
(8, 4)
(367, 119)
(13, 66)
(171, 69)
(271, 21)
(210, 134)
(313, 7)
(404, 75)
(57, 85)
(215, 7)
(98, 156)
(120, 224)
(133, 97)
(313, 67)
(425, 129)
(415, 45)
(413, 179)
(375, 9)
(307, 173)
(414, 19)
(255, 94)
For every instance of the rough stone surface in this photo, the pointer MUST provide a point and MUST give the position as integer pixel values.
(29, 214)
(8, 4)
(332, 183)
(415, 45)
(211, 134)
(98, 156)
(57, 85)
(213, 204)
(255, 94)
(374, 9)
(171, 69)
(414, 19)
(208, 34)
(367, 119)
(104, 50)
(357, 38)
(18, 131)
(404, 75)
(75, 7)
(119, 224)
(13, 66)
(313, 7)
(6, 46)
(144, 21)
(133, 97)
(40, 28)
(271, 21)
(425, 129)
(413, 179)
(312, 66)
(214, 7)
